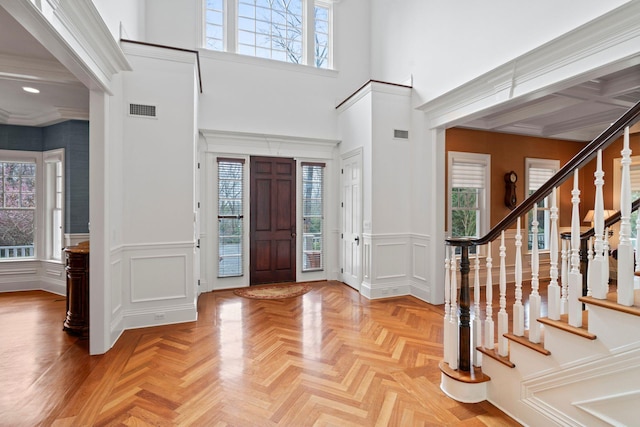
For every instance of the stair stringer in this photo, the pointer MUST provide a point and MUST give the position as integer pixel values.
(592, 392)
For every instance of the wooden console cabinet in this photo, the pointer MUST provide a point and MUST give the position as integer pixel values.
(77, 269)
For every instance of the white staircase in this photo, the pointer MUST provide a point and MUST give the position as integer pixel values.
(578, 364)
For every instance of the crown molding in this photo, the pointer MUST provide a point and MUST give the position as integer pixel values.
(75, 34)
(24, 68)
(604, 45)
(47, 118)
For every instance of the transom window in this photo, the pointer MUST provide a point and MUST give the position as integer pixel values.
(273, 29)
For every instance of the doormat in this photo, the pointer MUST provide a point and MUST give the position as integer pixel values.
(273, 291)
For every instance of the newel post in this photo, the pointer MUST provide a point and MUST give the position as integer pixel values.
(465, 317)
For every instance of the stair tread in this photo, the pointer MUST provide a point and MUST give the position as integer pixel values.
(524, 340)
(612, 303)
(564, 325)
(472, 377)
(493, 353)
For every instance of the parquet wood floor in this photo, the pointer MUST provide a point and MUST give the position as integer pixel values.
(328, 358)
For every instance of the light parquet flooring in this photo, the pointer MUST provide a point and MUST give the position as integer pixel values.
(328, 358)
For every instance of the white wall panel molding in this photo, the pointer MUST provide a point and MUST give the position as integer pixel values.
(116, 286)
(157, 246)
(72, 239)
(373, 86)
(158, 277)
(600, 391)
(229, 142)
(159, 315)
(609, 42)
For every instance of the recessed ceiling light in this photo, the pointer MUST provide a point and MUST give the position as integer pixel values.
(30, 89)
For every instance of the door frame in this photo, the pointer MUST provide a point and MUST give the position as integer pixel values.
(243, 145)
(358, 152)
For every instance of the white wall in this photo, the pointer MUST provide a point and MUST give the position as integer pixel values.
(130, 14)
(443, 44)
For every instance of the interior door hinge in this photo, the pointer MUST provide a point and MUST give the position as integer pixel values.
(342, 204)
(198, 282)
(198, 165)
(341, 270)
(198, 244)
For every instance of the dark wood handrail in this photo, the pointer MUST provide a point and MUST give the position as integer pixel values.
(613, 219)
(584, 156)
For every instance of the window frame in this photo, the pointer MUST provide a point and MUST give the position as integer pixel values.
(243, 207)
(54, 192)
(484, 205)
(230, 31)
(554, 166)
(303, 251)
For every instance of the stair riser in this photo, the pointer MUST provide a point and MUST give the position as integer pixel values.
(613, 329)
(528, 361)
(567, 348)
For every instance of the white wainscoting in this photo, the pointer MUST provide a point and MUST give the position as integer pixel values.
(158, 284)
(75, 238)
(420, 261)
(29, 275)
(386, 265)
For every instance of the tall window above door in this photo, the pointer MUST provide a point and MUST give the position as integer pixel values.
(538, 172)
(469, 190)
(312, 216)
(230, 217)
(294, 31)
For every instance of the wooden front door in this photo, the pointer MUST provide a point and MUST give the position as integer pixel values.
(273, 220)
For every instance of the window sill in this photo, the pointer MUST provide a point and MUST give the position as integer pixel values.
(265, 62)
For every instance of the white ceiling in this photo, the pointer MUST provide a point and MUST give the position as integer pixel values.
(25, 62)
(577, 113)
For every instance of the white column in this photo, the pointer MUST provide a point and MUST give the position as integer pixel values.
(625, 251)
(518, 308)
(489, 342)
(553, 290)
(575, 277)
(503, 317)
(535, 301)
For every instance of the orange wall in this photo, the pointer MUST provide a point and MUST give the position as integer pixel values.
(508, 152)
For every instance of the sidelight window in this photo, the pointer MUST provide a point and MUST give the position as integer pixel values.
(230, 217)
(312, 216)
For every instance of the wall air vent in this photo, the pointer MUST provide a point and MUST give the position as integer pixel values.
(140, 110)
(400, 134)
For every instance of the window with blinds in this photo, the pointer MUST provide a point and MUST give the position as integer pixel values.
(230, 217)
(469, 185)
(538, 172)
(312, 216)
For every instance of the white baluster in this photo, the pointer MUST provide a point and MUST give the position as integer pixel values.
(518, 308)
(553, 290)
(564, 290)
(592, 276)
(605, 265)
(447, 305)
(477, 322)
(489, 342)
(596, 285)
(625, 251)
(454, 331)
(638, 244)
(575, 277)
(535, 302)
(503, 317)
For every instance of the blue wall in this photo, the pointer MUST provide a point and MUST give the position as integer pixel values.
(73, 136)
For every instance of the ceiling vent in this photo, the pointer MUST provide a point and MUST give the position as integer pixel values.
(400, 134)
(140, 110)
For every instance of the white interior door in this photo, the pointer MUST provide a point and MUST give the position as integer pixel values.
(351, 234)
